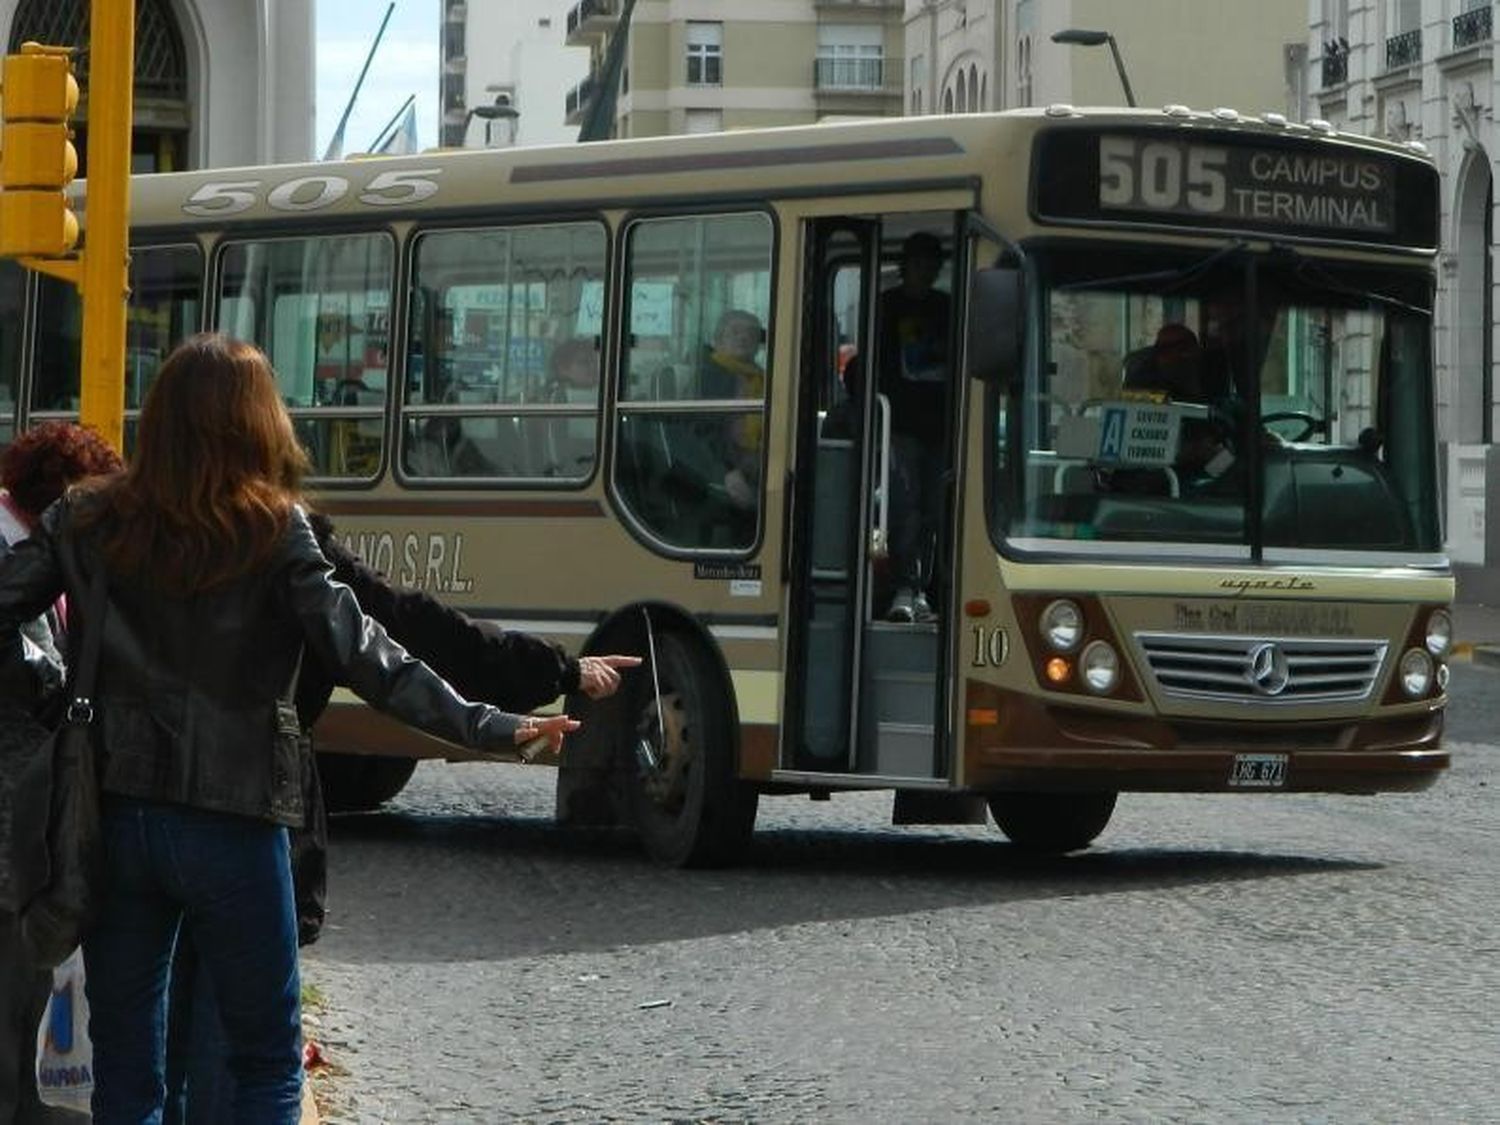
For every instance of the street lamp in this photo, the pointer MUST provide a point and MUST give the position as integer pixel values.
(501, 110)
(1081, 38)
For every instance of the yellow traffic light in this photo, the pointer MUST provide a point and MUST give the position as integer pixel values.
(38, 97)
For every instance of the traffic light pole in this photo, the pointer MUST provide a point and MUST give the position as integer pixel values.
(107, 216)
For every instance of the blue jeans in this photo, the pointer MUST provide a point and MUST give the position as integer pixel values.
(229, 879)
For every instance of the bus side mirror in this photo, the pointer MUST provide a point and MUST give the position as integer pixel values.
(997, 328)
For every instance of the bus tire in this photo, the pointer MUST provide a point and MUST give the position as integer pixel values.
(1052, 823)
(361, 782)
(685, 800)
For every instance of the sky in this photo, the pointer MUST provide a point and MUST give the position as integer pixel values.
(405, 64)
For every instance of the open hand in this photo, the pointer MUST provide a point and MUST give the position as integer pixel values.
(599, 676)
(543, 732)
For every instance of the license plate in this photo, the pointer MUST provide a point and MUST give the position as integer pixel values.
(1258, 771)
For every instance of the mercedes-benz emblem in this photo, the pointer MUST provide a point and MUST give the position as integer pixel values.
(1269, 672)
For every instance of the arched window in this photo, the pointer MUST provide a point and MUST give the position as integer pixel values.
(961, 101)
(948, 101)
(161, 74)
(974, 106)
(984, 92)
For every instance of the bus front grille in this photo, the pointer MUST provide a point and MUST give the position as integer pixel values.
(1262, 669)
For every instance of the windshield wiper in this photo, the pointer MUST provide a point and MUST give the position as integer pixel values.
(1318, 275)
(1168, 278)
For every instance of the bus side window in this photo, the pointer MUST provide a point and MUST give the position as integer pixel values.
(320, 309)
(699, 312)
(503, 324)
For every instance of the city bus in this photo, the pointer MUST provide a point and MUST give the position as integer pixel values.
(1149, 425)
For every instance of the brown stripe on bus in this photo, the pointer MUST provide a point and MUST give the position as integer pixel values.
(758, 750)
(754, 158)
(384, 506)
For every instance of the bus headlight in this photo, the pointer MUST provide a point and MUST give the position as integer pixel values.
(1062, 625)
(1416, 673)
(1439, 633)
(1101, 667)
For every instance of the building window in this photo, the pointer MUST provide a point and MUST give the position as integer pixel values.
(705, 54)
(850, 57)
(1473, 24)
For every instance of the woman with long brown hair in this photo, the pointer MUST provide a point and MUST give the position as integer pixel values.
(215, 583)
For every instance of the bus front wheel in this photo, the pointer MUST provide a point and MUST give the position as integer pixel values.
(361, 782)
(688, 806)
(1052, 822)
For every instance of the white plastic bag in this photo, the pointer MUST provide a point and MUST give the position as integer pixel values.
(64, 1053)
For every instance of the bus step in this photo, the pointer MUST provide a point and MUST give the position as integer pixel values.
(901, 648)
(901, 750)
(904, 697)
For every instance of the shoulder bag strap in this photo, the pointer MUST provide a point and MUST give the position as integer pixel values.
(81, 708)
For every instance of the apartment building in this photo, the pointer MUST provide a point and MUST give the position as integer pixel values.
(1424, 70)
(506, 72)
(976, 55)
(695, 66)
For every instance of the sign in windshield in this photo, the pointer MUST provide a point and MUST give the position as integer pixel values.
(1246, 183)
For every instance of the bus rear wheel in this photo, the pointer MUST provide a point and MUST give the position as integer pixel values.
(688, 806)
(361, 782)
(1052, 823)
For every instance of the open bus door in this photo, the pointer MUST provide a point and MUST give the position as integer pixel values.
(866, 694)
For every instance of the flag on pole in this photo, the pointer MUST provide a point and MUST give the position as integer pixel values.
(335, 150)
(402, 140)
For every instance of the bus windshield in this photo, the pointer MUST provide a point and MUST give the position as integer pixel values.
(1223, 404)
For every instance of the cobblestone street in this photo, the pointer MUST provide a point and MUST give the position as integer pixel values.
(1212, 958)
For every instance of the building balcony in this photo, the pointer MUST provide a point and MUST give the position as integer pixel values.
(576, 100)
(458, 11)
(1472, 27)
(591, 20)
(1403, 50)
(1335, 69)
(857, 76)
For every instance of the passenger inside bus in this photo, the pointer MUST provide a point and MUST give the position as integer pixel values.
(914, 373)
(1176, 369)
(729, 370)
(573, 378)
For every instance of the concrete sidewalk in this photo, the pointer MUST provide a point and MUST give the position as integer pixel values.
(1476, 632)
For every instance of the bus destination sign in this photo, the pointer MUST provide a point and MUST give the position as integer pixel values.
(1251, 185)
(1297, 188)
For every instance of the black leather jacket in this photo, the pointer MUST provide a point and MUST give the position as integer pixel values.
(193, 698)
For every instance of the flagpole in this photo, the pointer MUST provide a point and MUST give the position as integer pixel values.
(391, 124)
(338, 134)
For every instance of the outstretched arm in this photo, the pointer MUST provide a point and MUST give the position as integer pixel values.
(513, 670)
(359, 651)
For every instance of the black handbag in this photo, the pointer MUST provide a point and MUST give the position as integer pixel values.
(56, 843)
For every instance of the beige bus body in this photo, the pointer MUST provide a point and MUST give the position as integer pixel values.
(577, 561)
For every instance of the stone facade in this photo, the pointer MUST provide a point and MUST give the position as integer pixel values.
(219, 82)
(1424, 70)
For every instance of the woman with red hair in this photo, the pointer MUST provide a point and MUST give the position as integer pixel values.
(35, 470)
